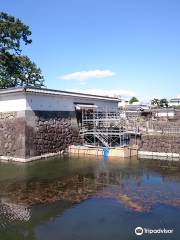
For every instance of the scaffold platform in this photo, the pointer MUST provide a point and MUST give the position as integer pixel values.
(106, 129)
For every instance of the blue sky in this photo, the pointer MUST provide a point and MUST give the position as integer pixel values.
(127, 47)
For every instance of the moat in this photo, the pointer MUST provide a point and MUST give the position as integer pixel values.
(71, 198)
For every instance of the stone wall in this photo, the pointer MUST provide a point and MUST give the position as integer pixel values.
(12, 134)
(27, 134)
(50, 132)
(160, 143)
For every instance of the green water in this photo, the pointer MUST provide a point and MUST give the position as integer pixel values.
(88, 199)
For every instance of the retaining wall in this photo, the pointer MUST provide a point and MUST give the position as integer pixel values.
(27, 134)
(48, 132)
(160, 143)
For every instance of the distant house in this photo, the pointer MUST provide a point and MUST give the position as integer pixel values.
(122, 103)
(163, 113)
(174, 102)
(137, 107)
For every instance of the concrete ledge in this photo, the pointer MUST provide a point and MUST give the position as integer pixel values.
(159, 155)
(24, 160)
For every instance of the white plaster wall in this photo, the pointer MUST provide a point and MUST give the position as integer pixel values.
(12, 102)
(174, 104)
(165, 114)
(64, 103)
(20, 102)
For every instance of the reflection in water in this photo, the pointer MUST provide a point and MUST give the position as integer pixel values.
(137, 185)
(73, 189)
(42, 191)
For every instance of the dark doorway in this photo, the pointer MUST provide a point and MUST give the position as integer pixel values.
(79, 116)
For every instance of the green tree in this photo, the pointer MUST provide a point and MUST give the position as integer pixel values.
(164, 102)
(133, 99)
(159, 103)
(15, 68)
(155, 102)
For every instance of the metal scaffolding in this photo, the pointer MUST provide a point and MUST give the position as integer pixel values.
(105, 129)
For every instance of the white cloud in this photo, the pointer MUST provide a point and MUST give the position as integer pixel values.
(178, 96)
(111, 92)
(85, 75)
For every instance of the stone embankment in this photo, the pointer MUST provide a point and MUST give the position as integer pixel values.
(160, 143)
(53, 134)
(26, 134)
